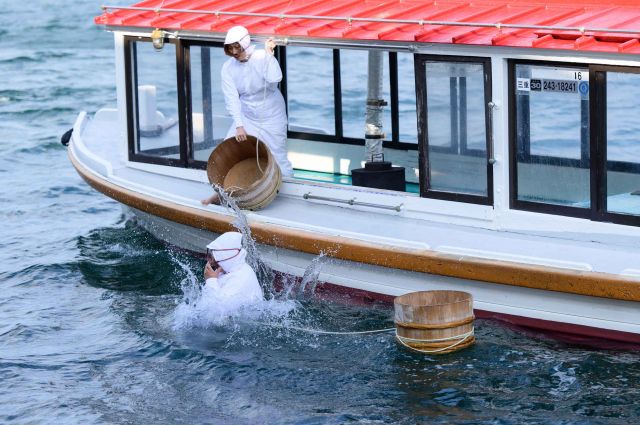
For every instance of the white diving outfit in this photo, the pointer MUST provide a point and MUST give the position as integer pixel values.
(261, 112)
(238, 285)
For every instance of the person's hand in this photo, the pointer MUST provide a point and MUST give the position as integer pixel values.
(269, 46)
(213, 199)
(209, 272)
(241, 135)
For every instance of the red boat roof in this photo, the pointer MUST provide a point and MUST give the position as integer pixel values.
(612, 26)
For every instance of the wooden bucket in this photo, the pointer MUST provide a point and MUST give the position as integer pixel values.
(233, 166)
(434, 322)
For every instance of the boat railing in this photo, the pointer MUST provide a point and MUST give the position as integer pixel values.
(353, 201)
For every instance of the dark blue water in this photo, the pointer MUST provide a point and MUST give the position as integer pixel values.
(88, 326)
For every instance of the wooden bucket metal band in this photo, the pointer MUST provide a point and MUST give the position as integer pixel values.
(436, 326)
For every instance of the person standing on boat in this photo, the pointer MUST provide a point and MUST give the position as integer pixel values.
(230, 281)
(250, 80)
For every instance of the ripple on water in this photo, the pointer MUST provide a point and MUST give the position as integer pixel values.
(88, 323)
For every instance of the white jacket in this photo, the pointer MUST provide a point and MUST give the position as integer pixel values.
(254, 102)
(238, 284)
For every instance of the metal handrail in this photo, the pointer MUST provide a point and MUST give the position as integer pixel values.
(353, 201)
(349, 20)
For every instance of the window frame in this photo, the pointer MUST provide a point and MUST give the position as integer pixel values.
(596, 159)
(187, 44)
(132, 111)
(338, 136)
(423, 131)
(599, 148)
(514, 155)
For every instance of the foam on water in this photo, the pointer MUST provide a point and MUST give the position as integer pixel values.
(196, 310)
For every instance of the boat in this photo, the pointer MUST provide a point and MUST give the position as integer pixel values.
(513, 125)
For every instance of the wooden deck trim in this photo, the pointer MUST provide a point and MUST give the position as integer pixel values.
(595, 284)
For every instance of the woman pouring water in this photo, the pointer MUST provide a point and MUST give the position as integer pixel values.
(250, 80)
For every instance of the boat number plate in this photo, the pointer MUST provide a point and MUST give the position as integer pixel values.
(558, 86)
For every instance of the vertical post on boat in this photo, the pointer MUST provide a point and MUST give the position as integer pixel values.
(207, 111)
(584, 132)
(462, 82)
(523, 130)
(377, 172)
(373, 121)
(453, 101)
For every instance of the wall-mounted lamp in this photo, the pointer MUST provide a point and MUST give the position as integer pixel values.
(157, 38)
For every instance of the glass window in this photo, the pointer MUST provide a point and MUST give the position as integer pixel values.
(156, 100)
(354, 78)
(552, 134)
(623, 143)
(310, 90)
(209, 118)
(456, 127)
(407, 99)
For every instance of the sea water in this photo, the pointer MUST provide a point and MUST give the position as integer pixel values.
(89, 301)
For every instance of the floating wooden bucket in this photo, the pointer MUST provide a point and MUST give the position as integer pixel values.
(233, 165)
(434, 322)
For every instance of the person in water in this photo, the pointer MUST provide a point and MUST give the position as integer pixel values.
(250, 80)
(229, 279)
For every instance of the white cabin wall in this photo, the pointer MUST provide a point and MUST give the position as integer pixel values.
(121, 95)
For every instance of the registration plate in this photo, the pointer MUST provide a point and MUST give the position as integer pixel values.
(562, 86)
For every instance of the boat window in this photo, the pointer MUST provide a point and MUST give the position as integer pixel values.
(155, 101)
(552, 134)
(455, 94)
(326, 92)
(622, 143)
(310, 90)
(353, 77)
(210, 120)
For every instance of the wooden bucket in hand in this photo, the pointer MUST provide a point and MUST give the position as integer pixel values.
(251, 176)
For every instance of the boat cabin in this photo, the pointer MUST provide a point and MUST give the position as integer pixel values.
(501, 112)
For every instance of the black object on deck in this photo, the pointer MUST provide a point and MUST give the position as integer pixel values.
(380, 175)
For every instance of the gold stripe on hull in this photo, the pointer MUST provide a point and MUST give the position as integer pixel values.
(595, 284)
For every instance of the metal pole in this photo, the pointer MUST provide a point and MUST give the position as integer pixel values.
(373, 132)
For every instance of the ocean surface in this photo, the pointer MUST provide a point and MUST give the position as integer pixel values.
(96, 325)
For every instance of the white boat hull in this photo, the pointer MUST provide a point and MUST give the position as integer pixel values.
(565, 313)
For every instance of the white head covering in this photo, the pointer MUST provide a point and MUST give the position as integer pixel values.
(238, 34)
(228, 252)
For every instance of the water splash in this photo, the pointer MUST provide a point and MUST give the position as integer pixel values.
(309, 281)
(279, 310)
(264, 273)
(197, 309)
(189, 285)
(266, 276)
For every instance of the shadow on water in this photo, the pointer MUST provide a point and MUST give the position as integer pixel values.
(127, 259)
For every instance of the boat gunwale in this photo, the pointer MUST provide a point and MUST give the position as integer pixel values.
(547, 278)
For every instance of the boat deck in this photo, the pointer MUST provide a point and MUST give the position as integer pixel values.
(613, 252)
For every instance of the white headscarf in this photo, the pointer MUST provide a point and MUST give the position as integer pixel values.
(238, 34)
(228, 252)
